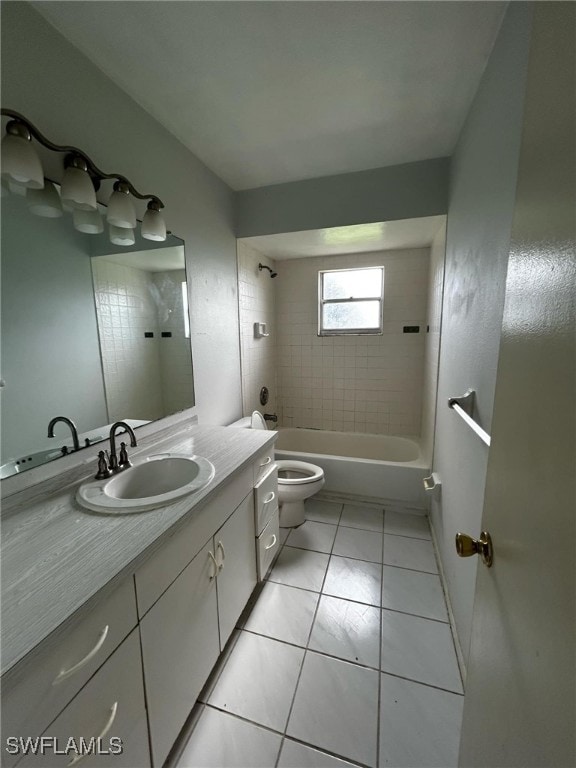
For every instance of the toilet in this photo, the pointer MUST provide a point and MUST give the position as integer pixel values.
(297, 480)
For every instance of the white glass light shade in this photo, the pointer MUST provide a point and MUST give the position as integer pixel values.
(121, 235)
(44, 202)
(20, 162)
(16, 188)
(121, 212)
(153, 226)
(77, 190)
(89, 222)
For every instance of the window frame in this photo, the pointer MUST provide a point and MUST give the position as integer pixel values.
(374, 331)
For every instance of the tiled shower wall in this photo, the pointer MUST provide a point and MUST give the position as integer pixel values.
(129, 303)
(257, 304)
(353, 383)
(435, 293)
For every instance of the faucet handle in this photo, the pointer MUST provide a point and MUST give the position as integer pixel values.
(124, 462)
(103, 471)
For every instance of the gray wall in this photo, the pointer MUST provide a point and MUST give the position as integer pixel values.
(381, 194)
(482, 188)
(50, 349)
(73, 102)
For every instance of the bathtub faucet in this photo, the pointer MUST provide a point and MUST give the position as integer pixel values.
(271, 417)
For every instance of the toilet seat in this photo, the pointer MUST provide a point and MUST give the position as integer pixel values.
(310, 473)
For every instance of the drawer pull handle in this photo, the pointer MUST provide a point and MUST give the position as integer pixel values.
(266, 461)
(273, 542)
(220, 547)
(214, 562)
(114, 708)
(65, 673)
(271, 496)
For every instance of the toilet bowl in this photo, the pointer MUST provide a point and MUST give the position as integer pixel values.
(297, 480)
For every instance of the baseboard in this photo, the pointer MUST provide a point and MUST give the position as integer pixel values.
(455, 638)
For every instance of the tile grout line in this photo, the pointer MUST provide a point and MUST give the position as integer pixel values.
(308, 641)
(380, 645)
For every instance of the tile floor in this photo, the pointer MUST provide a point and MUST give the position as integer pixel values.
(344, 658)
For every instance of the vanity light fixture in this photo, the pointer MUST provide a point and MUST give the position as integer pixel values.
(45, 202)
(22, 173)
(20, 161)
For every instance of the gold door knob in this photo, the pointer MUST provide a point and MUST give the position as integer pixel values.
(467, 546)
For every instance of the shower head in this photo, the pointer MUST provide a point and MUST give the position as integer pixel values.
(263, 266)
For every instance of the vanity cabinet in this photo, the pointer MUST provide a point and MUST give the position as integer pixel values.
(109, 708)
(185, 630)
(38, 688)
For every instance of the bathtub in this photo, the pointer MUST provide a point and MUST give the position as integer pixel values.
(378, 468)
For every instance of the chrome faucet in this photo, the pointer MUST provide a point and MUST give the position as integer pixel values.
(72, 426)
(124, 463)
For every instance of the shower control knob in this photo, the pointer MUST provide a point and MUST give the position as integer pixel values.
(467, 546)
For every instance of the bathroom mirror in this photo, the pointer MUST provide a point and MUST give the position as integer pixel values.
(90, 331)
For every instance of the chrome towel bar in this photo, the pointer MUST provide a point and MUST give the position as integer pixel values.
(463, 406)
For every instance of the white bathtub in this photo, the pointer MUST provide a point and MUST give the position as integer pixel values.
(364, 467)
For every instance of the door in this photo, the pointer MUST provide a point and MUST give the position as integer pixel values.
(519, 706)
(179, 648)
(235, 549)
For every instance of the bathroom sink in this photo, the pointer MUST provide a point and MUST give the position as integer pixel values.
(152, 482)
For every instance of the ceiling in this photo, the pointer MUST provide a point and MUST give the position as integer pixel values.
(277, 91)
(359, 238)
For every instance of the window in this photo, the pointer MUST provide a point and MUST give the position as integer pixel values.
(185, 310)
(350, 301)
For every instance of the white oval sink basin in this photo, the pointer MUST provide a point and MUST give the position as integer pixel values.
(151, 483)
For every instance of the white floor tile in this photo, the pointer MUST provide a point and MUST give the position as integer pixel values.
(413, 592)
(284, 533)
(348, 630)
(419, 649)
(284, 613)
(362, 517)
(354, 542)
(322, 511)
(419, 726)
(336, 708)
(224, 740)
(312, 535)
(300, 568)
(409, 553)
(405, 524)
(258, 680)
(295, 755)
(353, 580)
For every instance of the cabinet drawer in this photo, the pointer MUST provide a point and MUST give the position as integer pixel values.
(111, 706)
(265, 499)
(40, 687)
(157, 573)
(263, 464)
(268, 544)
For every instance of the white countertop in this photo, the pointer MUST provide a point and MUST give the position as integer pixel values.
(56, 556)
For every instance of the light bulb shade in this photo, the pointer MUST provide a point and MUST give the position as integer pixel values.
(20, 162)
(121, 212)
(121, 235)
(153, 226)
(89, 222)
(78, 191)
(16, 188)
(44, 202)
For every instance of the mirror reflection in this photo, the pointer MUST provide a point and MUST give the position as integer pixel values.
(90, 331)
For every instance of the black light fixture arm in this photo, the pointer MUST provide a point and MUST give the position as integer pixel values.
(73, 152)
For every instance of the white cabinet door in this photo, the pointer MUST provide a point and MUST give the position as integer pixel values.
(235, 552)
(180, 647)
(109, 709)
